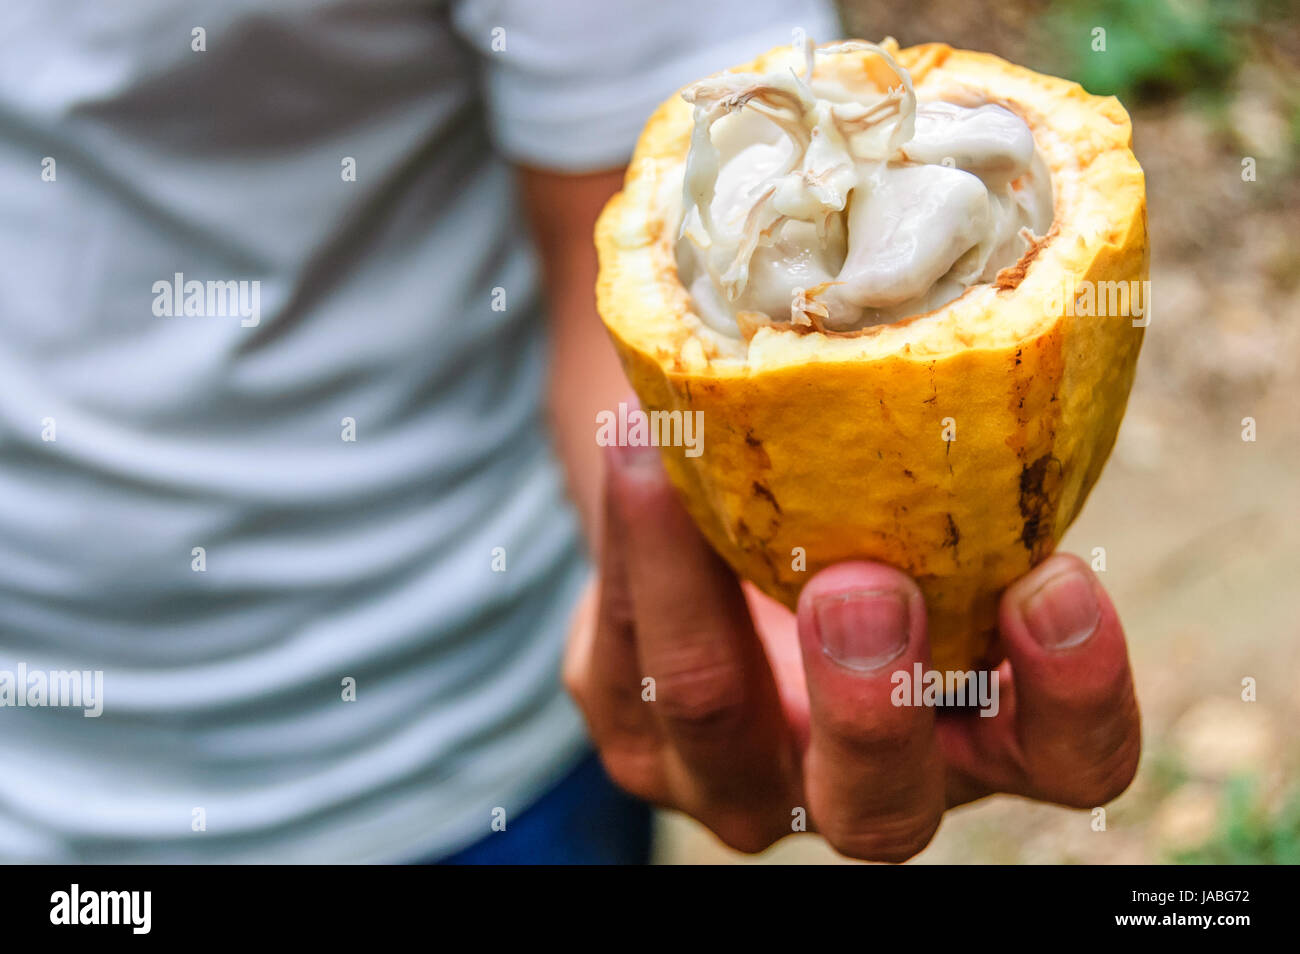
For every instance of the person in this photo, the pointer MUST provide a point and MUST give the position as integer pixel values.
(299, 369)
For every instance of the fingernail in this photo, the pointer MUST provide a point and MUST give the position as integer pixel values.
(1063, 611)
(862, 629)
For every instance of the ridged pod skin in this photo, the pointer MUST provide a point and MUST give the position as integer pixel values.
(833, 446)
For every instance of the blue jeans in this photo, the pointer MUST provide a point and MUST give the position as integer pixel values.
(583, 820)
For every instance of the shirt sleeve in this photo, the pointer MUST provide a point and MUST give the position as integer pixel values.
(570, 83)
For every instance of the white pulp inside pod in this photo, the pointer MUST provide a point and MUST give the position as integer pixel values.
(834, 209)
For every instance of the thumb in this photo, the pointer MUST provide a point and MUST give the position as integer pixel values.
(873, 773)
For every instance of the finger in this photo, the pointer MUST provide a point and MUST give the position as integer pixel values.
(602, 669)
(778, 631)
(1076, 712)
(873, 772)
(1072, 732)
(715, 699)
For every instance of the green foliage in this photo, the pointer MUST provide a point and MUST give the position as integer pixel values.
(1153, 48)
(1247, 833)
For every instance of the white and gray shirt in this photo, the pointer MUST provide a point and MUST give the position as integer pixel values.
(272, 456)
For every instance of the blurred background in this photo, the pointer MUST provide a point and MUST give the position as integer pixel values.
(1201, 529)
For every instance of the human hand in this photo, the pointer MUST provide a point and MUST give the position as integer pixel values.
(758, 712)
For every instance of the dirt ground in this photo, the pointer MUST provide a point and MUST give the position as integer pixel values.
(1201, 528)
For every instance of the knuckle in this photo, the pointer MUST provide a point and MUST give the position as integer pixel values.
(703, 697)
(1096, 780)
(877, 731)
(1106, 780)
(635, 770)
(615, 606)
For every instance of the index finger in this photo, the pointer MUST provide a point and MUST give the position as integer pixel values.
(601, 665)
(1069, 731)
